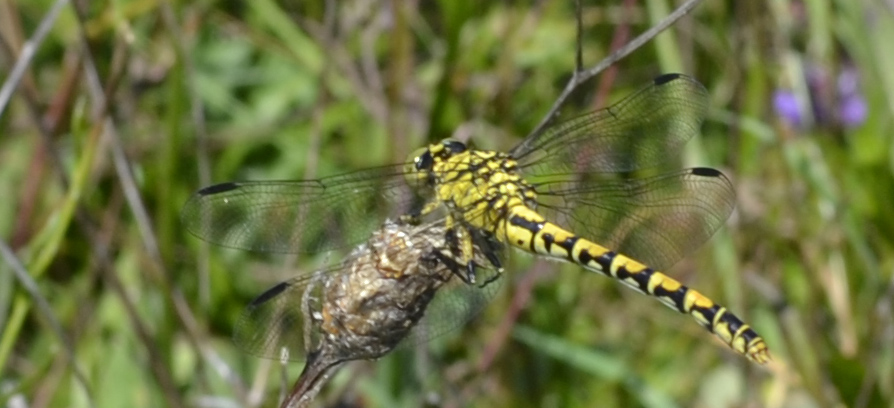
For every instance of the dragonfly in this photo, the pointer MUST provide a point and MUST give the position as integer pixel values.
(573, 192)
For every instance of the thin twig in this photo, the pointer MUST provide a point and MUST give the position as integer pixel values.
(100, 97)
(315, 375)
(579, 54)
(622, 33)
(160, 371)
(29, 49)
(580, 77)
(30, 286)
(197, 113)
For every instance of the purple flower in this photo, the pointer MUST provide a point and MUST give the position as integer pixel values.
(785, 103)
(849, 81)
(838, 103)
(852, 109)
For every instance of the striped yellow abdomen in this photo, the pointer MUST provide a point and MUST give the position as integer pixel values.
(526, 229)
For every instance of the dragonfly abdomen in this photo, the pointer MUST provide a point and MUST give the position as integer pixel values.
(530, 231)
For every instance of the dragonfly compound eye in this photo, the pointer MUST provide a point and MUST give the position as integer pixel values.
(417, 169)
(424, 161)
(454, 146)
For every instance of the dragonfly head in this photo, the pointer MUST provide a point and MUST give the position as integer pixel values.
(423, 159)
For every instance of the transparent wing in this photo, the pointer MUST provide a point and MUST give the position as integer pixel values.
(455, 304)
(304, 216)
(390, 290)
(279, 323)
(656, 220)
(643, 130)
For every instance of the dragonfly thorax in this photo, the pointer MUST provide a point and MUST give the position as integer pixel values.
(478, 187)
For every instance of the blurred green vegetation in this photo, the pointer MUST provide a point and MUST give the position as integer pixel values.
(209, 91)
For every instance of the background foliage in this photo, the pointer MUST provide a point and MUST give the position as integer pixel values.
(208, 91)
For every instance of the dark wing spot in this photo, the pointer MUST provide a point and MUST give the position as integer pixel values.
(663, 79)
(269, 294)
(218, 188)
(706, 172)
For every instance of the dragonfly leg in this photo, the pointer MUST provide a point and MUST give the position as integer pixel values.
(490, 252)
(492, 258)
(470, 272)
(461, 246)
(449, 260)
(490, 280)
(489, 247)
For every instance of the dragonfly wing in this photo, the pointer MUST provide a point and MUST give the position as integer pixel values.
(303, 216)
(281, 323)
(456, 301)
(656, 220)
(643, 130)
(369, 303)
